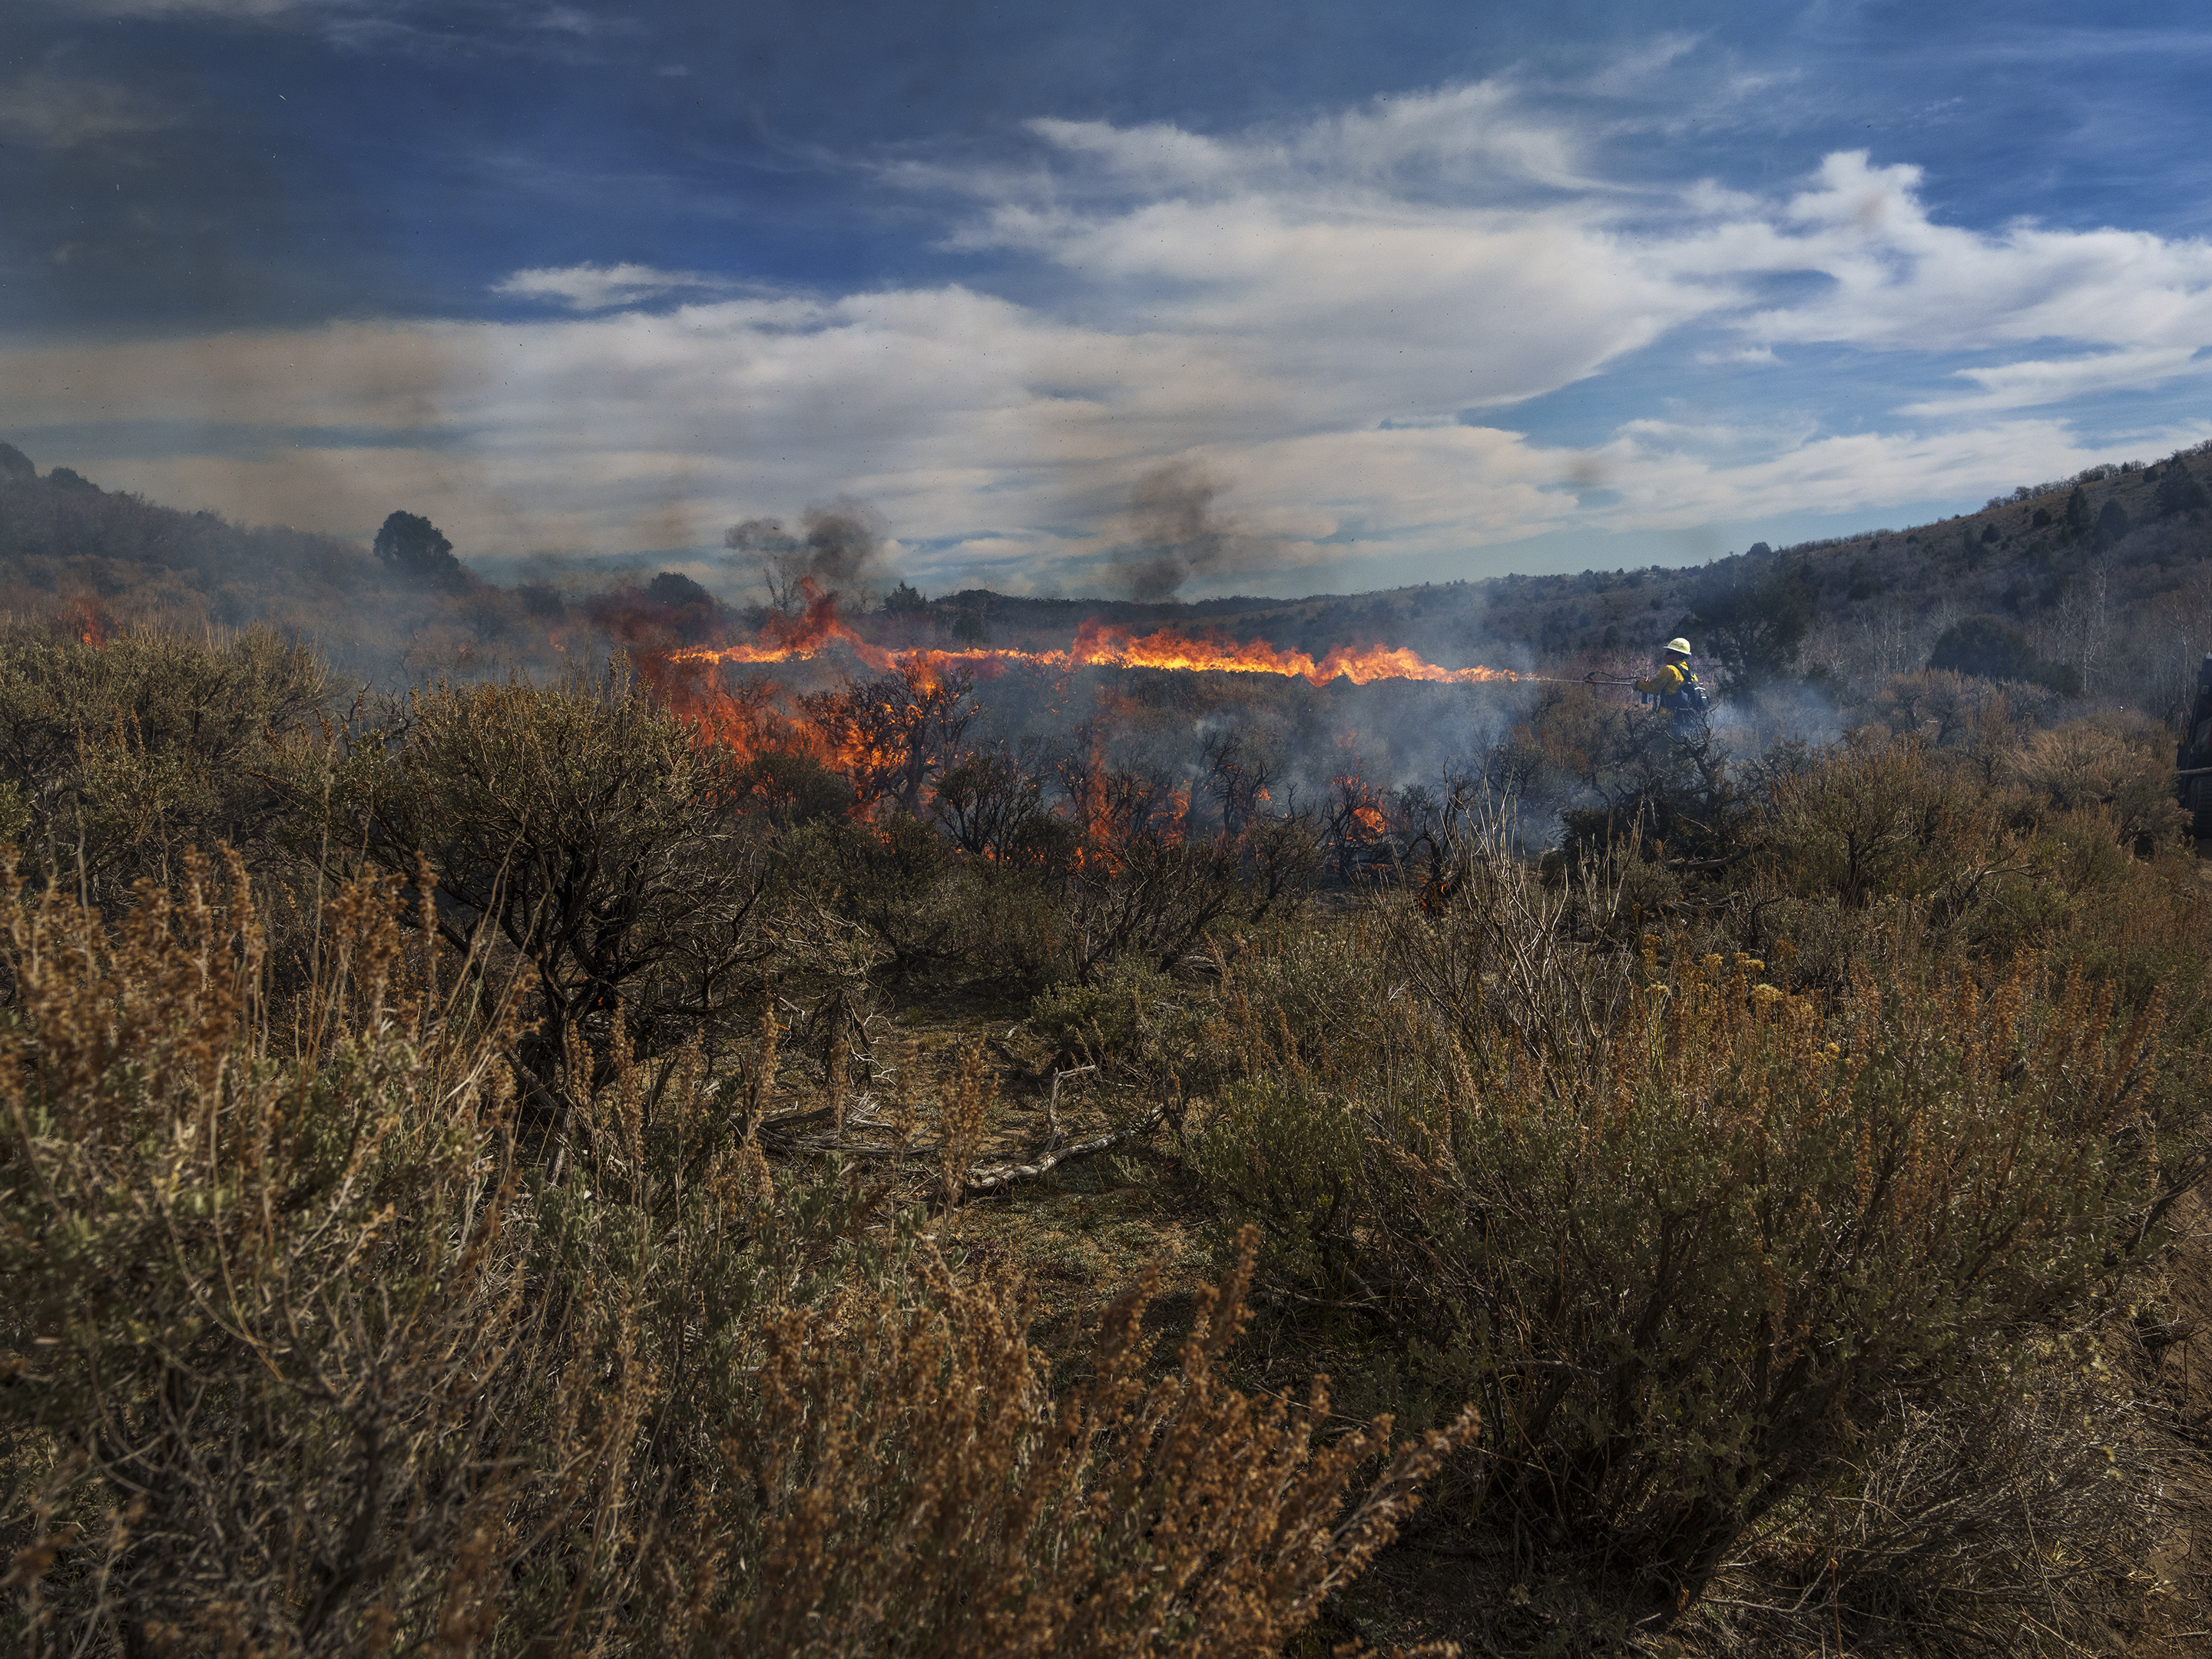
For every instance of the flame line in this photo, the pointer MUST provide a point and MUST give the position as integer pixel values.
(1099, 645)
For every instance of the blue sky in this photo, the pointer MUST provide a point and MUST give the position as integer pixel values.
(1416, 291)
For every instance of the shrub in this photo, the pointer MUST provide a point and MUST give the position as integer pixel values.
(269, 1335)
(1133, 1019)
(2124, 765)
(891, 874)
(1881, 821)
(793, 787)
(301, 1358)
(1174, 1519)
(993, 809)
(1689, 1257)
(1150, 897)
(583, 830)
(892, 737)
(118, 758)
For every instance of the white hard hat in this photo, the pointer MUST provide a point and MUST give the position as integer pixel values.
(1682, 646)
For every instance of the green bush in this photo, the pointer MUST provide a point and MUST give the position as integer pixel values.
(1133, 1019)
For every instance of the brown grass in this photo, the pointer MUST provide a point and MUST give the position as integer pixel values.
(301, 1358)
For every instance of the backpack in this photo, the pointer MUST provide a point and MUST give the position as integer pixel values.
(1691, 698)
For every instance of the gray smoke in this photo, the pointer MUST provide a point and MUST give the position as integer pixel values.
(1179, 535)
(836, 547)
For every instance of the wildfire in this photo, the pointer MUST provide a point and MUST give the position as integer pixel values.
(1096, 645)
(892, 739)
(85, 617)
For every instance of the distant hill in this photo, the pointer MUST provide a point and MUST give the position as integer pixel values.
(115, 559)
(2107, 576)
(2118, 592)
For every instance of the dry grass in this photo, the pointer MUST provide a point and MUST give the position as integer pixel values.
(302, 1360)
(1789, 1176)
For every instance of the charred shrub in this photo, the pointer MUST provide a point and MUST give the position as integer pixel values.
(994, 809)
(1665, 790)
(1141, 883)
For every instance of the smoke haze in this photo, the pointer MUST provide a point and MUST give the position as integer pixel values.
(1179, 538)
(839, 548)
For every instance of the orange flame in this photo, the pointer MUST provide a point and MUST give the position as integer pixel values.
(1099, 645)
(89, 620)
(888, 739)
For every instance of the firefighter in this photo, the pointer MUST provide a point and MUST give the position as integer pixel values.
(1677, 689)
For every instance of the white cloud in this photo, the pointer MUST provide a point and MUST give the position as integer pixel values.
(249, 8)
(2031, 382)
(1898, 281)
(1313, 311)
(603, 287)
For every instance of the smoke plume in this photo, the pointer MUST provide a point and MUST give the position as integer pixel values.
(1179, 535)
(837, 548)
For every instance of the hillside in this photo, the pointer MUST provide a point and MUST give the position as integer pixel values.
(108, 559)
(2124, 595)
(2108, 574)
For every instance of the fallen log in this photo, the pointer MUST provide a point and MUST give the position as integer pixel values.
(985, 1178)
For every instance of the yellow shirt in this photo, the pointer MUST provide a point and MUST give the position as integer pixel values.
(1671, 677)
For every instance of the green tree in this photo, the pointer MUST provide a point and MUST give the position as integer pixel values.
(411, 545)
(674, 589)
(1986, 649)
(1752, 627)
(2179, 491)
(2078, 520)
(2111, 523)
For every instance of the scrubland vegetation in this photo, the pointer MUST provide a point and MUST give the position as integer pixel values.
(635, 1160)
(507, 1169)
